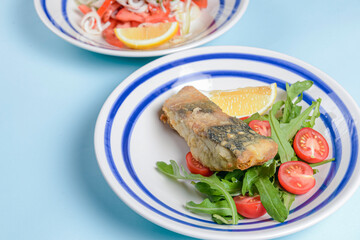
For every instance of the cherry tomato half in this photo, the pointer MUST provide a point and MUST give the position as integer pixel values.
(296, 177)
(249, 207)
(310, 146)
(196, 167)
(261, 127)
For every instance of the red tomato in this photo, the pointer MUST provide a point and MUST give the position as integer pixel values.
(109, 11)
(157, 14)
(296, 177)
(104, 7)
(200, 3)
(196, 167)
(261, 127)
(84, 9)
(109, 35)
(125, 15)
(311, 146)
(243, 118)
(249, 207)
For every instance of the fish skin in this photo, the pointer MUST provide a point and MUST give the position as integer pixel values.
(219, 141)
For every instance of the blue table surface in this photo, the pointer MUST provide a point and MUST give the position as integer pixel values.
(51, 93)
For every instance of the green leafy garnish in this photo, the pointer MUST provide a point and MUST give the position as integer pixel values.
(285, 150)
(321, 163)
(270, 199)
(256, 116)
(221, 208)
(172, 170)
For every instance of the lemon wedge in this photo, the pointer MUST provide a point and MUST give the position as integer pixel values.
(147, 36)
(243, 102)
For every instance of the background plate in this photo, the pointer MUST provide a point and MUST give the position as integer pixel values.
(63, 18)
(130, 139)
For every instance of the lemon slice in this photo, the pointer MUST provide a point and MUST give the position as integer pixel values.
(147, 36)
(245, 101)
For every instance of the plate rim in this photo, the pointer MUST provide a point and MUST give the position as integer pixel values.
(204, 50)
(138, 54)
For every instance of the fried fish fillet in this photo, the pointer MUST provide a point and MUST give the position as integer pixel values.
(217, 140)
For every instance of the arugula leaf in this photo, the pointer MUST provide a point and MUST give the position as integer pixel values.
(221, 208)
(287, 198)
(237, 174)
(295, 124)
(205, 188)
(270, 199)
(251, 176)
(292, 110)
(321, 163)
(285, 150)
(256, 116)
(223, 219)
(267, 170)
(172, 170)
(232, 187)
(297, 88)
(314, 116)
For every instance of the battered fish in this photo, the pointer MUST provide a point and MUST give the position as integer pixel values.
(219, 141)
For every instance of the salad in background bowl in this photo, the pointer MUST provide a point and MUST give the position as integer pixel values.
(118, 27)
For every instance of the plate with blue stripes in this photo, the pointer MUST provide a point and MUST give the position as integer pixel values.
(63, 18)
(130, 139)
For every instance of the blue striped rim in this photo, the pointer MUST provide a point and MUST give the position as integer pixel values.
(233, 11)
(219, 13)
(220, 74)
(43, 4)
(66, 17)
(269, 60)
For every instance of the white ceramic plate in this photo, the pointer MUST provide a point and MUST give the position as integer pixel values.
(63, 18)
(130, 139)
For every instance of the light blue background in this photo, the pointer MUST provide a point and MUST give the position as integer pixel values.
(51, 93)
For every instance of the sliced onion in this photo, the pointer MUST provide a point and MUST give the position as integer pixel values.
(90, 20)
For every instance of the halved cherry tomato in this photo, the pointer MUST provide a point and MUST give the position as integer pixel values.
(196, 167)
(261, 127)
(249, 207)
(296, 177)
(311, 146)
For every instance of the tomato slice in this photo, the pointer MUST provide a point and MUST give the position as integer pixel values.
(200, 3)
(243, 118)
(104, 7)
(249, 207)
(311, 146)
(196, 167)
(109, 11)
(109, 34)
(125, 15)
(84, 9)
(261, 127)
(296, 177)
